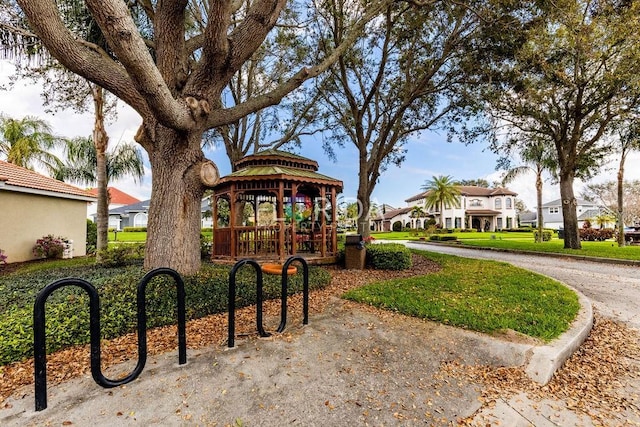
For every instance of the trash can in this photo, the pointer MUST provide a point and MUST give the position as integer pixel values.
(354, 252)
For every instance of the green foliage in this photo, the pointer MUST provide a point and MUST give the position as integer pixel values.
(67, 310)
(397, 226)
(480, 295)
(135, 229)
(122, 254)
(546, 235)
(442, 238)
(388, 256)
(92, 236)
(206, 243)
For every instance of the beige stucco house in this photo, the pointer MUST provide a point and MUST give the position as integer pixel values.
(33, 206)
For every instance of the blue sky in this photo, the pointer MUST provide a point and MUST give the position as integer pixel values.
(428, 154)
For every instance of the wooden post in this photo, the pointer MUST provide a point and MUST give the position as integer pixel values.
(334, 222)
(323, 221)
(281, 236)
(294, 240)
(232, 221)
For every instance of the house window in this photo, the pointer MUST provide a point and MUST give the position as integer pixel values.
(554, 210)
(498, 204)
(447, 205)
(475, 203)
(140, 220)
(499, 224)
(508, 203)
(509, 222)
(458, 222)
(447, 222)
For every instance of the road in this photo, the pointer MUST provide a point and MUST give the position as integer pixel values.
(613, 289)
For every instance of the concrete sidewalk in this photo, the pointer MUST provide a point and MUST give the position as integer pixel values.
(350, 366)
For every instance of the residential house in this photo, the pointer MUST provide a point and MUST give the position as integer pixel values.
(586, 210)
(136, 215)
(388, 216)
(117, 199)
(133, 215)
(33, 206)
(482, 209)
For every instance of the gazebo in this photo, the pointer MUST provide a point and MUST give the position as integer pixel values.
(273, 206)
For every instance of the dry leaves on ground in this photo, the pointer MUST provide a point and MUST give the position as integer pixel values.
(592, 382)
(211, 330)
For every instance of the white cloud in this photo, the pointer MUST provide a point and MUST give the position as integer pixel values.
(24, 99)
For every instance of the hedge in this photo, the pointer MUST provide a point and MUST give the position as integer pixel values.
(67, 310)
(442, 238)
(388, 256)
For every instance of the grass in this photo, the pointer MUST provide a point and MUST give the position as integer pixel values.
(525, 242)
(139, 236)
(480, 295)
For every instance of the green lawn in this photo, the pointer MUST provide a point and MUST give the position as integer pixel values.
(480, 295)
(525, 242)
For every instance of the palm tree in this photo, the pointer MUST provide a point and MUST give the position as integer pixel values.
(441, 190)
(537, 159)
(82, 166)
(27, 141)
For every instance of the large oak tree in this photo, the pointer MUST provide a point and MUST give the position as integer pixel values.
(572, 75)
(172, 64)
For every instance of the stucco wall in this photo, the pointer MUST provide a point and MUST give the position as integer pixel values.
(24, 218)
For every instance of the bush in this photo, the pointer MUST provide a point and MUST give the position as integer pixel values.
(594, 234)
(67, 308)
(92, 236)
(388, 256)
(397, 226)
(49, 247)
(121, 255)
(546, 235)
(442, 238)
(206, 243)
(135, 229)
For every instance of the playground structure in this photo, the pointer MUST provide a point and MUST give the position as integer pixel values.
(39, 340)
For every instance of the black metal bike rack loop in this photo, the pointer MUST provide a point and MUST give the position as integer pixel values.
(305, 292)
(232, 300)
(39, 337)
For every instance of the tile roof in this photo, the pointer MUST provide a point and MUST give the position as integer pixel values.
(21, 178)
(116, 196)
(470, 190)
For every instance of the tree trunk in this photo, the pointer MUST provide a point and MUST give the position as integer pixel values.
(569, 214)
(620, 219)
(364, 194)
(539, 238)
(101, 142)
(173, 228)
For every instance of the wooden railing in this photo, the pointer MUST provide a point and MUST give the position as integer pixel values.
(265, 241)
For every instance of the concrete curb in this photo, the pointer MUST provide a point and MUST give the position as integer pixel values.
(547, 359)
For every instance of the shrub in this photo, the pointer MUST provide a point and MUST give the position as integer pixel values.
(397, 226)
(206, 242)
(135, 229)
(593, 234)
(67, 308)
(122, 255)
(442, 238)
(92, 236)
(546, 235)
(49, 247)
(388, 256)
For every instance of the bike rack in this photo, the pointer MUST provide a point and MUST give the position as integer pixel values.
(260, 298)
(39, 341)
(232, 300)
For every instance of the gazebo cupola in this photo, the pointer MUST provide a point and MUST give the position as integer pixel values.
(273, 206)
